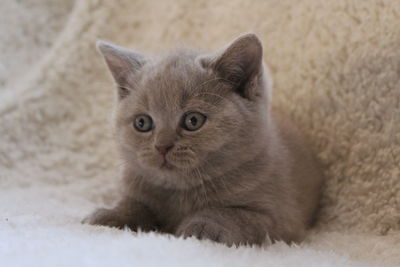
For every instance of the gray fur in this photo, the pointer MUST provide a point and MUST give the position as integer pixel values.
(245, 175)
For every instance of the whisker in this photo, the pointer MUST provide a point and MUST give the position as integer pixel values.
(212, 80)
(207, 93)
(204, 188)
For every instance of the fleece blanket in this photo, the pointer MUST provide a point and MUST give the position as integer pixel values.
(336, 70)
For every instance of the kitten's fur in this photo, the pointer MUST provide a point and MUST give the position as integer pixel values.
(245, 176)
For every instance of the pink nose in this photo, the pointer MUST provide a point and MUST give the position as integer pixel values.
(163, 149)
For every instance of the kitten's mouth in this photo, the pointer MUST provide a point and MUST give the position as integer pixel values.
(166, 165)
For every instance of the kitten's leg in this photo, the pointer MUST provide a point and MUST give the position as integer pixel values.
(128, 213)
(232, 226)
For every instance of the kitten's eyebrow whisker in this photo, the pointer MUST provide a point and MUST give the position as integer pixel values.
(215, 79)
(207, 81)
(206, 93)
(209, 103)
(212, 80)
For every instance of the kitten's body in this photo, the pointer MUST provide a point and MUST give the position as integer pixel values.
(245, 175)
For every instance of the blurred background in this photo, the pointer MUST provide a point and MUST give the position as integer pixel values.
(336, 72)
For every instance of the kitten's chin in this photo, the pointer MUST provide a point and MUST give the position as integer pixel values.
(172, 179)
(159, 168)
(171, 176)
(182, 166)
(167, 166)
(171, 172)
(172, 168)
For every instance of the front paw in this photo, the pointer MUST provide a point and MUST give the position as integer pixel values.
(202, 229)
(106, 217)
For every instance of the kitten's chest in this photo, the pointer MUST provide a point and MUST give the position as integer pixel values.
(172, 206)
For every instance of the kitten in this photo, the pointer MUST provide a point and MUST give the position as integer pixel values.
(204, 154)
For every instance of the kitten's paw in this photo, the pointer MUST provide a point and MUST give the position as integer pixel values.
(207, 230)
(104, 217)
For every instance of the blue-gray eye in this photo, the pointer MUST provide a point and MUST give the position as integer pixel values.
(193, 120)
(143, 123)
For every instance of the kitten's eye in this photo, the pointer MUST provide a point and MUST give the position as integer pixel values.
(193, 120)
(143, 123)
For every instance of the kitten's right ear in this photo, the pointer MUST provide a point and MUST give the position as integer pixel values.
(122, 63)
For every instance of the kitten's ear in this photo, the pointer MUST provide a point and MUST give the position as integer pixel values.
(122, 63)
(240, 64)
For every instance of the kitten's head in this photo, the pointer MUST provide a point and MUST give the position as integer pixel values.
(189, 116)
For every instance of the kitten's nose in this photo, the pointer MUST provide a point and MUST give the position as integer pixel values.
(163, 149)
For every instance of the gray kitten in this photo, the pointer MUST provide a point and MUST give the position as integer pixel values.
(204, 154)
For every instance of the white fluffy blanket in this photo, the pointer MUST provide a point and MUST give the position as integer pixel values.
(336, 69)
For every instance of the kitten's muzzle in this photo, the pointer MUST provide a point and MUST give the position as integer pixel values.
(163, 149)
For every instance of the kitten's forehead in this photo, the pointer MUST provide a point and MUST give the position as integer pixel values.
(170, 81)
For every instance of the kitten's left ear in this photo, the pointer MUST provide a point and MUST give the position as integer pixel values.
(122, 63)
(241, 65)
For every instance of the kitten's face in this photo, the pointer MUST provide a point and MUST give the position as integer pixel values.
(179, 121)
(184, 110)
